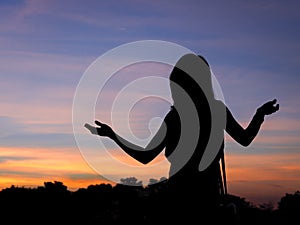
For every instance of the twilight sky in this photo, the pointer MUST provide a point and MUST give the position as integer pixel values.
(46, 46)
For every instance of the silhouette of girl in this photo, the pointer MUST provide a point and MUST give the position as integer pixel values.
(190, 191)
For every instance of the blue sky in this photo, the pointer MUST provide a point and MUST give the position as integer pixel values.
(46, 46)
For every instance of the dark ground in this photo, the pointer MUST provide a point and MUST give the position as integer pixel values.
(120, 204)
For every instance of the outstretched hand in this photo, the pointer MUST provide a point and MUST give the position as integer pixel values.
(102, 130)
(268, 108)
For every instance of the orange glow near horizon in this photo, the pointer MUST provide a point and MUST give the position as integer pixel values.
(250, 176)
(263, 167)
(263, 178)
(36, 166)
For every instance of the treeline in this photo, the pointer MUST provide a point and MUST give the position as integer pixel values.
(99, 204)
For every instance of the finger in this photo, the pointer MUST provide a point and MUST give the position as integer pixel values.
(92, 129)
(274, 101)
(88, 126)
(98, 123)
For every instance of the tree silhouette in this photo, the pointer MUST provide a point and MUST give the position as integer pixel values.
(105, 204)
(154, 181)
(131, 181)
(289, 208)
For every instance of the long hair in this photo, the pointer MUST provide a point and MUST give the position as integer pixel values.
(192, 74)
(190, 79)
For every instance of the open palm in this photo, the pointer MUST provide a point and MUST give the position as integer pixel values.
(268, 108)
(102, 130)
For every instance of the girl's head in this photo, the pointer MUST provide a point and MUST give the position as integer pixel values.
(191, 75)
